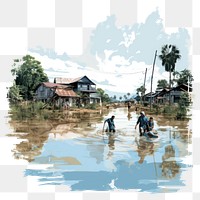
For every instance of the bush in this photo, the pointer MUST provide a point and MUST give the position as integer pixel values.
(91, 106)
(170, 110)
(157, 108)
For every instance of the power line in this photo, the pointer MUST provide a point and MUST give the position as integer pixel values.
(119, 73)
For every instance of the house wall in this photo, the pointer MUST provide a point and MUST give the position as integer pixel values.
(95, 100)
(85, 87)
(175, 96)
(44, 93)
(61, 101)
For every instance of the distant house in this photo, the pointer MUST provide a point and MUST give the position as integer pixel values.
(147, 97)
(135, 98)
(162, 96)
(55, 93)
(159, 96)
(83, 85)
(176, 92)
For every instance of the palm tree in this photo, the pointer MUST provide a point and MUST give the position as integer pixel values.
(125, 97)
(169, 55)
(141, 90)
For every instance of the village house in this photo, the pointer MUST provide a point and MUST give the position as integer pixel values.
(57, 94)
(161, 96)
(176, 93)
(156, 97)
(67, 91)
(83, 86)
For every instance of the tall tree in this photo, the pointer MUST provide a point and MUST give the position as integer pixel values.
(169, 56)
(28, 74)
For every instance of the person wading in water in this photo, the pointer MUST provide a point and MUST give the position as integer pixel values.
(142, 121)
(111, 124)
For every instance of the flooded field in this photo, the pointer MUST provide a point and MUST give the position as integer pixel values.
(81, 157)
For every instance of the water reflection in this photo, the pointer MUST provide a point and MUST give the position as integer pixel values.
(144, 148)
(129, 115)
(83, 158)
(169, 166)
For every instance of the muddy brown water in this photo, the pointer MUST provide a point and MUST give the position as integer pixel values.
(85, 158)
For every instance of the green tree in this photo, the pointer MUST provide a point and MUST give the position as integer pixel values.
(28, 74)
(14, 94)
(169, 56)
(162, 83)
(120, 98)
(103, 95)
(125, 97)
(141, 90)
(183, 106)
(183, 77)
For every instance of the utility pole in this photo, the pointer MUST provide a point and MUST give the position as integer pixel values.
(144, 83)
(154, 61)
(145, 79)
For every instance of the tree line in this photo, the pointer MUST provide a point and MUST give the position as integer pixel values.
(28, 74)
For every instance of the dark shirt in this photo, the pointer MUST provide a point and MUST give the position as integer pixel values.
(142, 121)
(111, 124)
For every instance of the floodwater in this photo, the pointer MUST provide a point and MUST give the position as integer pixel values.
(81, 157)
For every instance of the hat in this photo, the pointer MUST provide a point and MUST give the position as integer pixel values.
(143, 113)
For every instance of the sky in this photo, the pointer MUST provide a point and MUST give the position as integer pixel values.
(115, 57)
(113, 48)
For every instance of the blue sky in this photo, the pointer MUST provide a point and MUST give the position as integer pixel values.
(116, 57)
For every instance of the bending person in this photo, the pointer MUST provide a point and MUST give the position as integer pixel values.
(111, 124)
(142, 121)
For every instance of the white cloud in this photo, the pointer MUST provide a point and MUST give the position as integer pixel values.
(126, 78)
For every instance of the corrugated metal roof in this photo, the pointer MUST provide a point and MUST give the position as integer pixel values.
(51, 85)
(61, 92)
(67, 80)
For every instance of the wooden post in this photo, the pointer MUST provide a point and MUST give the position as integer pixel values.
(154, 61)
(144, 85)
(145, 79)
